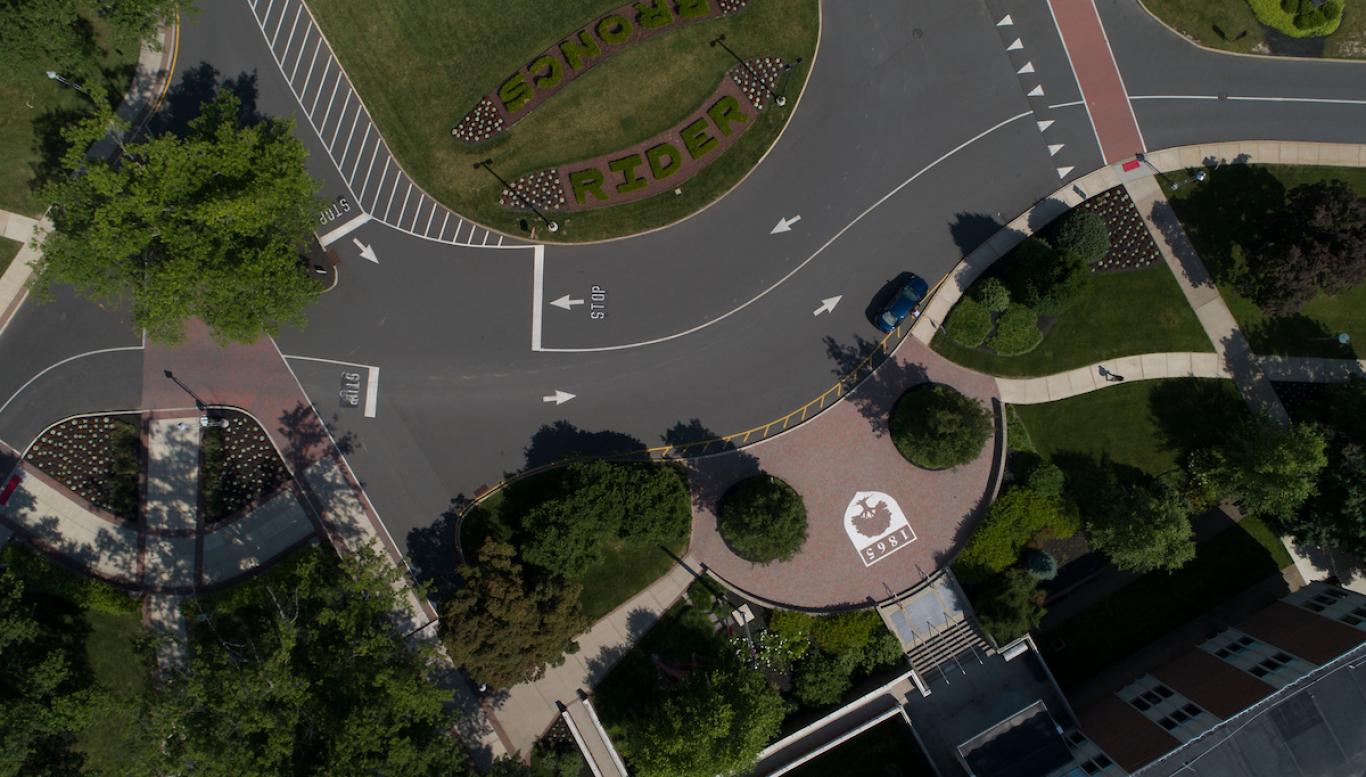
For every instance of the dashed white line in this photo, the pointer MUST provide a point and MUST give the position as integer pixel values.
(1232, 98)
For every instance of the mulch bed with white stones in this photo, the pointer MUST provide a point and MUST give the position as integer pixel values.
(97, 457)
(238, 466)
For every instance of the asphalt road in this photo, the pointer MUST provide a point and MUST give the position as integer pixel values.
(917, 136)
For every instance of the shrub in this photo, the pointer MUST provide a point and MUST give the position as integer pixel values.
(936, 427)
(969, 323)
(1041, 564)
(763, 519)
(1017, 332)
(1008, 605)
(823, 678)
(1046, 280)
(1083, 233)
(794, 628)
(1143, 527)
(1016, 517)
(1045, 478)
(993, 295)
(845, 632)
(1017, 434)
(1299, 18)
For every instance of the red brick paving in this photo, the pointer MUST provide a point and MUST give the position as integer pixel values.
(1101, 84)
(844, 450)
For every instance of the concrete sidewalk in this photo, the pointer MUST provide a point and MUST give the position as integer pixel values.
(14, 281)
(172, 474)
(529, 709)
(1083, 380)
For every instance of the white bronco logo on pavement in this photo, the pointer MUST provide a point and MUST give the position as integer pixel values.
(876, 526)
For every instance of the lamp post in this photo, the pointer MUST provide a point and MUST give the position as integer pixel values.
(779, 100)
(487, 164)
(1199, 177)
(55, 76)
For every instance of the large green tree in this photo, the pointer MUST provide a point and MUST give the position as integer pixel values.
(714, 722)
(1315, 244)
(209, 225)
(1335, 517)
(1143, 527)
(304, 673)
(936, 427)
(504, 628)
(38, 35)
(1269, 468)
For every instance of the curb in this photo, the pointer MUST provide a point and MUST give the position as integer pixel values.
(1249, 54)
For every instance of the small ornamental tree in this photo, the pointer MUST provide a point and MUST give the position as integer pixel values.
(1083, 233)
(823, 678)
(1008, 605)
(1045, 279)
(936, 427)
(1017, 332)
(763, 519)
(1315, 244)
(992, 294)
(1272, 470)
(1335, 517)
(969, 323)
(1016, 517)
(1143, 527)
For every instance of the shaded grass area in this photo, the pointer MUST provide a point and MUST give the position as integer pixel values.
(1229, 563)
(1120, 314)
(99, 629)
(421, 66)
(1230, 25)
(8, 250)
(1225, 213)
(1148, 425)
(36, 110)
(626, 569)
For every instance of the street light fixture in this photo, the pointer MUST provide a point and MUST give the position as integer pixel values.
(779, 100)
(1199, 177)
(487, 164)
(55, 76)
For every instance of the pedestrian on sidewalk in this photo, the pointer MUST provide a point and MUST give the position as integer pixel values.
(1109, 377)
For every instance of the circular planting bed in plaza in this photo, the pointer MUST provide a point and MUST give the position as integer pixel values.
(763, 520)
(238, 465)
(97, 457)
(936, 427)
(609, 119)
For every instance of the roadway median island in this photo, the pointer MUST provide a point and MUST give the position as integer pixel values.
(577, 87)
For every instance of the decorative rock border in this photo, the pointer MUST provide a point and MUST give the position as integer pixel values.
(662, 162)
(552, 70)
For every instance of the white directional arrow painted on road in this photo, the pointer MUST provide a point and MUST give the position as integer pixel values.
(827, 305)
(1028, 68)
(559, 397)
(1054, 148)
(366, 252)
(1043, 125)
(785, 225)
(1006, 22)
(565, 303)
(1016, 46)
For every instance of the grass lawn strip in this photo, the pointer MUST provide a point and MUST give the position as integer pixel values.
(1144, 424)
(1214, 227)
(1231, 25)
(1121, 314)
(8, 250)
(418, 66)
(36, 109)
(626, 570)
(1224, 566)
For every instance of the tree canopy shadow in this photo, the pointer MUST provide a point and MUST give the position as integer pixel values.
(308, 438)
(873, 381)
(1042, 215)
(712, 464)
(434, 557)
(970, 230)
(1194, 415)
(1231, 208)
(563, 440)
(200, 84)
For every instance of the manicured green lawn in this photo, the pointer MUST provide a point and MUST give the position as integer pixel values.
(1224, 566)
(420, 66)
(36, 109)
(1122, 314)
(1223, 214)
(8, 250)
(1230, 25)
(625, 571)
(1144, 424)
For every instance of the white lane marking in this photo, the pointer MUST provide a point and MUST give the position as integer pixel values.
(328, 113)
(67, 360)
(1075, 78)
(1016, 46)
(355, 166)
(444, 222)
(380, 186)
(406, 195)
(1110, 50)
(341, 119)
(398, 178)
(456, 237)
(1067, 105)
(350, 135)
(537, 294)
(344, 230)
(559, 397)
(1036, 91)
(372, 393)
(1027, 69)
(432, 215)
(784, 225)
(294, 25)
(500, 241)
(1322, 100)
(262, 19)
(284, 9)
(327, 68)
(417, 212)
(486, 238)
(312, 63)
(536, 335)
(303, 49)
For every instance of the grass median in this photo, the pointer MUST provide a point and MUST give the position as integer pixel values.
(1230, 25)
(420, 66)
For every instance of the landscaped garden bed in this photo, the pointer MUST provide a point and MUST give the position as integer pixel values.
(417, 87)
(238, 466)
(936, 427)
(97, 457)
(1234, 25)
(1236, 219)
(1092, 287)
(763, 520)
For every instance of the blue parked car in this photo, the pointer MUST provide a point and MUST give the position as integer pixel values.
(906, 302)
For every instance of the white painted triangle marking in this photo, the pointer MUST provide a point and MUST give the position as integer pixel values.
(1016, 46)
(1036, 91)
(1028, 68)
(1054, 149)
(1043, 125)
(1063, 172)
(1006, 22)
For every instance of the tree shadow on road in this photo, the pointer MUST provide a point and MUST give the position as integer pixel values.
(562, 440)
(200, 84)
(712, 464)
(872, 381)
(970, 230)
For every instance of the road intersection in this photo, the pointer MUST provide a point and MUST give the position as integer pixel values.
(923, 129)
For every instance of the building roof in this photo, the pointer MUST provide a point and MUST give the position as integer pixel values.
(1026, 744)
(1315, 727)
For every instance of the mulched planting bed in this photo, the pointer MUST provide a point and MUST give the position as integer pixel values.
(1131, 246)
(98, 457)
(238, 465)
